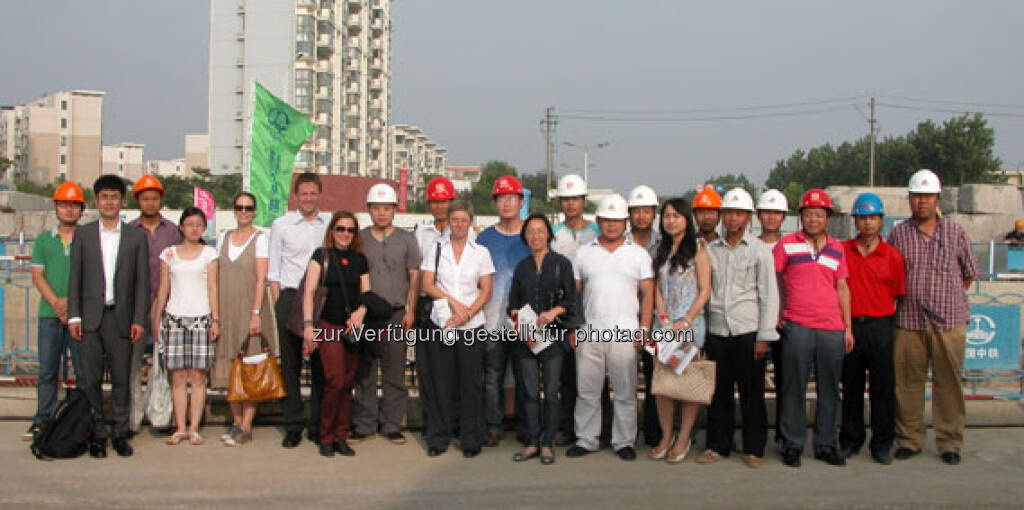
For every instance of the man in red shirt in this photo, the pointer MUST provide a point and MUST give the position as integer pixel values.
(876, 280)
(816, 315)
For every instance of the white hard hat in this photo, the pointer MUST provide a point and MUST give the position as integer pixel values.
(772, 200)
(613, 207)
(738, 198)
(924, 181)
(643, 196)
(381, 193)
(572, 185)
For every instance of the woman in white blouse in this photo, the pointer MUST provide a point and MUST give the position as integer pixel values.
(457, 274)
(190, 323)
(245, 307)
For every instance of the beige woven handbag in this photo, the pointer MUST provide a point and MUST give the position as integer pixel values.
(695, 384)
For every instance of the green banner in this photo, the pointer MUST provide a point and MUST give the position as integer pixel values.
(278, 131)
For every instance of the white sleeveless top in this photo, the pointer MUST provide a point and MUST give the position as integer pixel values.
(189, 293)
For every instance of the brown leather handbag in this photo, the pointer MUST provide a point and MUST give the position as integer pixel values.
(695, 384)
(255, 382)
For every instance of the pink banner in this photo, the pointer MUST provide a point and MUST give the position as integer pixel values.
(403, 188)
(203, 199)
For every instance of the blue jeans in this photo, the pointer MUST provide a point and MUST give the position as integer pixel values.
(54, 342)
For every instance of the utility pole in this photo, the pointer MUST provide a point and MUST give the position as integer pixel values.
(548, 126)
(873, 124)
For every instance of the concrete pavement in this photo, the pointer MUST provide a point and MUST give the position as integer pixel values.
(262, 474)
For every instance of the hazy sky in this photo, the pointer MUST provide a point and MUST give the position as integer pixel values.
(477, 75)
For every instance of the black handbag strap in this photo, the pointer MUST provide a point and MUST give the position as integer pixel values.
(437, 261)
(341, 277)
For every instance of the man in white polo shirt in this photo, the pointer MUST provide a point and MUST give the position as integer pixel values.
(617, 282)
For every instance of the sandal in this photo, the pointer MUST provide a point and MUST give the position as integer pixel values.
(176, 438)
(195, 439)
(657, 453)
(675, 458)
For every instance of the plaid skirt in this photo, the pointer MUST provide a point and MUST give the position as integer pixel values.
(186, 342)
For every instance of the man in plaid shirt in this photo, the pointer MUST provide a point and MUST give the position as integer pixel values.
(931, 322)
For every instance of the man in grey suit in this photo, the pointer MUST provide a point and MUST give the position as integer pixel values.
(108, 302)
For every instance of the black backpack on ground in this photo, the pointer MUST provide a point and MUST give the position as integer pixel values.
(66, 433)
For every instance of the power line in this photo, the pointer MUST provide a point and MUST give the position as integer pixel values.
(950, 110)
(714, 110)
(949, 102)
(709, 118)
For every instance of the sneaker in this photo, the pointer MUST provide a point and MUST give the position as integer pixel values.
(227, 435)
(395, 437)
(30, 434)
(237, 437)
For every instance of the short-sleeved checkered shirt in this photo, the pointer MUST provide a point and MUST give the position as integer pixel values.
(935, 273)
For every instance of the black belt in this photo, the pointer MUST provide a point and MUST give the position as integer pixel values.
(108, 307)
(397, 308)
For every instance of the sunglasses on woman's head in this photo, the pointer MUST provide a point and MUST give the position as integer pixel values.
(246, 208)
(342, 228)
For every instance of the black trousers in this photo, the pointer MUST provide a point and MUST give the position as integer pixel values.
(455, 370)
(107, 349)
(540, 419)
(651, 426)
(735, 367)
(777, 370)
(872, 352)
(292, 408)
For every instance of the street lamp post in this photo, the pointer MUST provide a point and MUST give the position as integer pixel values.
(586, 155)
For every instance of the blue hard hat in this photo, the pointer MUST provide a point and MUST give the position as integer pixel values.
(868, 204)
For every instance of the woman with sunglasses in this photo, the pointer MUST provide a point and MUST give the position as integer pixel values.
(245, 306)
(347, 277)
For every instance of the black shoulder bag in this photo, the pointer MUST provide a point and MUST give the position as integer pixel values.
(425, 304)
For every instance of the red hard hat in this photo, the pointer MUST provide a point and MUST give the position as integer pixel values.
(440, 188)
(68, 191)
(507, 185)
(816, 198)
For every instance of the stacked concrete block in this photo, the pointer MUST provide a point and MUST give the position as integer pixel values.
(18, 201)
(893, 199)
(990, 199)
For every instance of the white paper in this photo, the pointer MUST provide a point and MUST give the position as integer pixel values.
(255, 359)
(535, 337)
(678, 358)
(441, 312)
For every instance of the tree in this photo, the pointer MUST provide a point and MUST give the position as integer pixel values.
(726, 182)
(178, 191)
(960, 151)
(4, 165)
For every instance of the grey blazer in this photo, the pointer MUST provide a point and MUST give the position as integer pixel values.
(131, 278)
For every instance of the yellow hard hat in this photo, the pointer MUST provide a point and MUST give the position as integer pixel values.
(1018, 224)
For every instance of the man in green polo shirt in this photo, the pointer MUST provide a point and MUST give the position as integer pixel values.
(51, 267)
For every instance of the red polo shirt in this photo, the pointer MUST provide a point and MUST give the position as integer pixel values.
(876, 280)
(809, 281)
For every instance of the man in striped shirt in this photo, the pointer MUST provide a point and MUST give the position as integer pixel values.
(931, 322)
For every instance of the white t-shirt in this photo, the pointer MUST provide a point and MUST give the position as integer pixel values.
(262, 245)
(189, 292)
(611, 283)
(461, 279)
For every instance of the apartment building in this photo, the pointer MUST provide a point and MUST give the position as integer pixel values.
(124, 159)
(329, 59)
(58, 135)
(197, 151)
(418, 154)
(168, 167)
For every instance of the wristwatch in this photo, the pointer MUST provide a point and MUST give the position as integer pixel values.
(255, 312)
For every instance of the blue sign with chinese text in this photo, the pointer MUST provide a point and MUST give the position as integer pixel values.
(993, 338)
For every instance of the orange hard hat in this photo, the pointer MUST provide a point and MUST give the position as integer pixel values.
(147, 182)
(707, 198)
(69, 191)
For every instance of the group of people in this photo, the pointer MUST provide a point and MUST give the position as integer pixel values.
(592, 290)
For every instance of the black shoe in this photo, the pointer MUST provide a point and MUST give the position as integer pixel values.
(292, 439)
(434, 452)
(98, 449)
(520, 456)
(343, 448)
(327, 449)
(122, 447)
(356, 437)
(951, 458)
(30, 434)
(791, 457)
(395, 437)
(470, 453)
(313, 436)
(626, 453)
(492, 440)
(847, 451)
(830, 455)
(904, 453)
(882, 457)
(547, 459)
(577, 451)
